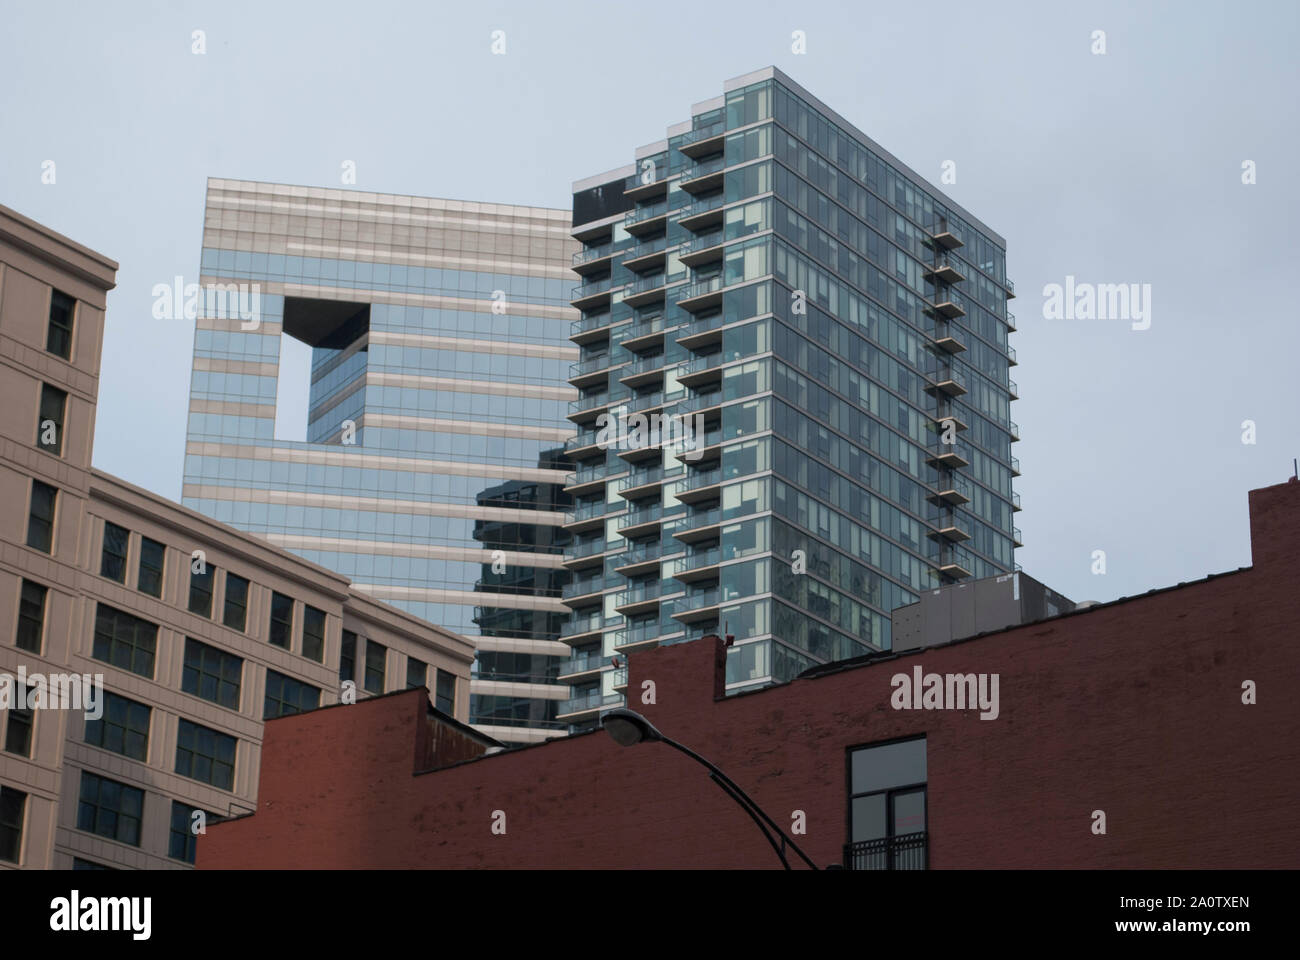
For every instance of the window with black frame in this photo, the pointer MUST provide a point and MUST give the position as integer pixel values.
(887, 811)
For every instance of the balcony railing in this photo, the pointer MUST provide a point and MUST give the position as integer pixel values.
(1011, 320)
(698, 170)
(598, 509)
(702, 400)
(590, 365)
(704, 242)
(581, 625)
(648, 212)
(585, 548)
(706, 479)
(644, 515)
(698, 289)
(645, 591)
(594, 322)
(591, 289)
(698, 599)
(1011, 285)
(701, 558)
(702, 206)
(645, 365)
(907, 851)
(703, 133)
(590, 701)
(643, 554)
(646, 284)
(592, 253)
(647, 248)
(701, 518)
(580, 588)
(581, 663)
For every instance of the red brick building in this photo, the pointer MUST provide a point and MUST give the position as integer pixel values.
(1136, 710)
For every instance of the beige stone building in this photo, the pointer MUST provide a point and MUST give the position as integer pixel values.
(199, 631)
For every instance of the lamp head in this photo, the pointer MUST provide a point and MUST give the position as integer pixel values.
(628, 727)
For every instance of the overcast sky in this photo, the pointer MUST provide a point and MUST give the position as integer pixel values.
(1122, 167)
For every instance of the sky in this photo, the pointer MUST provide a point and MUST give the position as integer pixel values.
(1115, 167)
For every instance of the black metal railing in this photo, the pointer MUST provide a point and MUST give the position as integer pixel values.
(907, 851)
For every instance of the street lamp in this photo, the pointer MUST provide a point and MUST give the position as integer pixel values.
(627, 727)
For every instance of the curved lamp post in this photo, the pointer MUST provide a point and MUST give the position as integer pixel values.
(628, 727)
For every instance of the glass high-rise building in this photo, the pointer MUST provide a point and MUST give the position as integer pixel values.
(839, 329)
(431, 470)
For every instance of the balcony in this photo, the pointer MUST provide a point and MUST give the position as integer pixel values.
(654, 401)
(906, 851)
(703, 295)
(645, 290)
(592, 405)
(703, 250)
(948, 528)
(947, 305)
(641, 187)
(586, 707)
(590, 516)
(1017, 537)
(952, 491)
(583, 665)
(947, 381)
(944, 270)
(591, 329)
(619, 680)
(588, 480)
(584, 592)
(582, 445)
(704, 140)
(705, 403)
(700, 565)
(700, 486)
(640, 599)
(647, 255)
(643, 635)
(947, 455)
(952, 566)
(945, 339)
(592, 371)
(646, 219)
(1014, 429)
(1015, 466)
(585, 553)
(1011, 320)
(1015, 501)
(942, 236)
(639, 561)
(701, 446)
(704, 176)
(700, 370)
(698, 605)
(1013, 389)
(590, 296)
(593, 259)
(703, 214)
(703, 332)
(698, 525)
(642, 522)
(642, 483)
(1010, 289)
(642, 371)
(581, 629)
(647, 334)
(1011, 356)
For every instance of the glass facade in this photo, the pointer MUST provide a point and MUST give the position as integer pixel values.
(827, 336)
(431, 469)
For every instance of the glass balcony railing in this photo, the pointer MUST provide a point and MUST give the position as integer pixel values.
(701, 518)
(1011, 353)
(698, 170)
(647, 212)
(705, 479)
(598, 509)
(594, 322)
(582, 663)
(658, 173)
(1014, 428)
(703, 206)
(657, 399)
(646, 284)
(1016, 536)
(644, 365)
(1011, 285)
(597, 471)
(954, 482)
(590, 701)
(580, 588)
(1015, 466)
(703, 133)
(1011, 320)
(643, 554)
(642, 592)
(698, 289)
(591, 365)
(698, 599)
(619, 677)
(640, 478)
(643, 515)
(700, 364)
(1013, 387)
(584, 439)
(698, 559)
(947, 375)
(585, 548)
(702, 401)
(701, 630)
(589, 402)
(579, 625)
(1015, 500)
(647, 248)
(645, 327)
(592, 253)
(584, 290)
(639, 634)
(704, 243)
